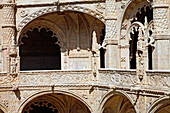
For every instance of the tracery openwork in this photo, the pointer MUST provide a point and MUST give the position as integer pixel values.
(25, 35)
(41, 106)
(40, 44)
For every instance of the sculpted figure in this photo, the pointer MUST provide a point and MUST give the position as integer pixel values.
(95, 52)
(140, 42)
(95, 45)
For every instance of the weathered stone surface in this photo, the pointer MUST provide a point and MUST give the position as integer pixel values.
(129, 39)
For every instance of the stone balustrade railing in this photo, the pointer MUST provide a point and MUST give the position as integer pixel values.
(158, 79)
(55, 77)
(155, 79)
(117, 77)
(120, 77)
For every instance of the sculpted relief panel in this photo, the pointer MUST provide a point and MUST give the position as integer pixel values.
(116, 77)
(55, 77)
(158, 80)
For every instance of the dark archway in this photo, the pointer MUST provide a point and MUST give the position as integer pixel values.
(41, 107)
(39, 50)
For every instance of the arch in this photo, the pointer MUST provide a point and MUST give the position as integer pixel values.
(40, 44)
(45, 92)
(3, 108)
(48, 10)
(158, 104)
(43, 23)
(112, 93)
(134, 11)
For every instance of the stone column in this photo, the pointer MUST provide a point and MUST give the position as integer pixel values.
(111, 56)
(63, 58)
(9, 51)
(161, 54)
(8, 29)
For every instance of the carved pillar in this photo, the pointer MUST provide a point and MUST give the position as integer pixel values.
(8, 29)
(161, 54)
(111, 57)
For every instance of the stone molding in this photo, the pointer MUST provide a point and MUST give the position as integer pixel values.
(53, 77)
(108, 78)
(110, 41)
(161, 37)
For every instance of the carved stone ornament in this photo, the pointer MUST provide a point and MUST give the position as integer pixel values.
(44, 11)
(100, 8)
(24, 13)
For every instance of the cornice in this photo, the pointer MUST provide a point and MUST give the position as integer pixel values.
(134, 89)
(60, 3)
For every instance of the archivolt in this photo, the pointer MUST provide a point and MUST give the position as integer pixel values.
(3, 108)
(44, 11)
(112, 93)
(158, 103)
(40, 93)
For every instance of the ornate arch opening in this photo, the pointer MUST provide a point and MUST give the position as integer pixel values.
(116, 102)
(143, 13)
(144, 16)
(55, 103)
(160, 106)
(39, 50)
(74, 31)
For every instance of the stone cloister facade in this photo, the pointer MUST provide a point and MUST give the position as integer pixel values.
(84, 56)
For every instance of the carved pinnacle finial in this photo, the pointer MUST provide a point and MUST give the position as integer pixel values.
(140, 33)
(146, 22)
(94, 37)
